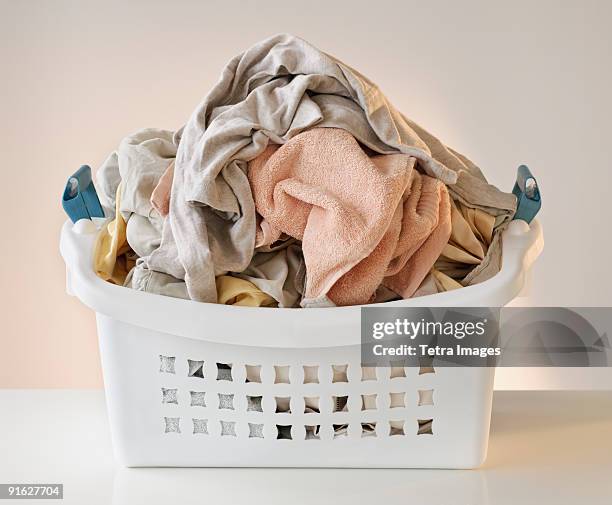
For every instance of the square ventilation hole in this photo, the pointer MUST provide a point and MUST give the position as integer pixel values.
(228, 428)
(339, 373)
(397, 369)
(253, 373)
(397, 400)
(254, 404)
(283, 432)
(368, 402)
(368, 430)
(396, 428)
(256, 430)
(340, 403)
(166, 364)
(226, 401)
(368, 373)
(425, 427)
(196, 368)
(426, 366)
(224, 372)
(281, 374)
(311, 405)
(197, 398)
(340, 430)
(200, 426)
(426, 397)
(282, 404)
(173, 424)
(312, 432)
(169, 395)
(311, 374)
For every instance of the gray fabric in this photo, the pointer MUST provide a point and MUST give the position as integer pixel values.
(491, 263)
(143, 278)
(283, 242)
(143, 158)
(144, 233)
(321, 302)
(139, 162)
(106, 183)
(278, 274)
(273, 91)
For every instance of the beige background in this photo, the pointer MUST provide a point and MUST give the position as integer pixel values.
(521, 82)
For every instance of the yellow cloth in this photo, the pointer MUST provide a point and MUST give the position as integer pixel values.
(471, 235)
(110, 262)
(235, 291)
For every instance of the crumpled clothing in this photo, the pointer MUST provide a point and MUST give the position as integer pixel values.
(143, 158)
(436, 282)
(471, 238)
(426, 228)
(138, 164)
(280, 273)
(231, 290)
(144, 233)
(111, 262)
(359, 218)
(142, 278)
(277, 267)
(272, 92)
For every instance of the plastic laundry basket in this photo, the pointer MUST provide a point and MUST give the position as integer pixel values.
(175, 374)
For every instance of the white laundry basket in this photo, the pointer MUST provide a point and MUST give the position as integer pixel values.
(173, 400)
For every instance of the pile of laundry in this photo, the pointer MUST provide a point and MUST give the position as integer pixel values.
(296, 184)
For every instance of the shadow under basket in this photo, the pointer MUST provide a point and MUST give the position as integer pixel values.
(196, 384)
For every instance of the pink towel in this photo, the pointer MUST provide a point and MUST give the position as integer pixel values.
(417, 234)
(426, 228)
(349, 210)
(160, 198)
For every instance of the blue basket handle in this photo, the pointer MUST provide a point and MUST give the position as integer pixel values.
(527, 195)
(80, 200)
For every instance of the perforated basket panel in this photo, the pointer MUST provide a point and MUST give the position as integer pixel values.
(175, 401)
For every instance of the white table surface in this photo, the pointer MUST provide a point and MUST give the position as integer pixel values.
(545, 447)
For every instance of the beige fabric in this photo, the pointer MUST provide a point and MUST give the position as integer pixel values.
(468, 249)
(471, 237)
